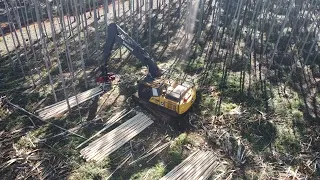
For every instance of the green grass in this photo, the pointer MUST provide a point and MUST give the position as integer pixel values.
(239, 63)
(208, 101)
(284, 107)
(259, 133)
(213, 78)
(175, 156)
(26, 142)
(288, 109)
(286, 132)
(193, 67)
(176, 148)
(91, 170)
(227, 107)
(230, 94)
(297, 115)
(13, 121)
(181, 140)
(3, 113)
(287, 142)
(233, 80)
(298, 122)
(154, 172)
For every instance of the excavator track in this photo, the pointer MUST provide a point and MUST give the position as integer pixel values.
(153, 109)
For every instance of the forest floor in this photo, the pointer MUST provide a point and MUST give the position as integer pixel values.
(255, 137)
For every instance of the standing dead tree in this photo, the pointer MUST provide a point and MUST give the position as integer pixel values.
(17, 17)
(80, 43)
(16, 46)
(44, 48)
(8, 51)
(49, 10)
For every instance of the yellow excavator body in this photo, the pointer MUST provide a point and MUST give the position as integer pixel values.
(167, 95)
(179, 107)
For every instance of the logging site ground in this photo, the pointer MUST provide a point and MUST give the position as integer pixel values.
(255, 65)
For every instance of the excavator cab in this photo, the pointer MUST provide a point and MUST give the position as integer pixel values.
(168, 96)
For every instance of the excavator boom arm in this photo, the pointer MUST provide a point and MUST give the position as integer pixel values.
(116, 34)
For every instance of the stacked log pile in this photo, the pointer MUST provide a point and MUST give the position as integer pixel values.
(199, 165)
(62, 106)
(110, 142)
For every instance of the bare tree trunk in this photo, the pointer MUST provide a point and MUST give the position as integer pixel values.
(232, 48)
(105, 9)
(29, 36)
(134, 27)
(60, 17)
(201, 5)
(249, 34)
(208, 65)
(114, 11)
(146, 11)
(137, 6)
(224, 27)
(15, 33)
(23, 41)
(14, 43)
(70, 65)
(84, 26)
(118, 5)
(96, 31)
(255, 56)
(44, 25)
(305, 19)
(33, 19)
(288, 45)
(123, 9)
(262, 40)
(67, 52)
(270, 31)
(307, 38)
(11, 24)
(168, 22)
(43, 42)
(140, 9)
(98, 11)
(311, 48)
(280, 35)
(299, 54)
(68, 15)
(150, 25)
(90, 9)
(80, 44)
(49, 10)
(8, 51)
(131, 17)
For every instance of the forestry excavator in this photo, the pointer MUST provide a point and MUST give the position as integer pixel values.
(155, 92)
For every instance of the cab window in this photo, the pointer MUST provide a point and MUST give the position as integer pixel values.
(155, 92)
